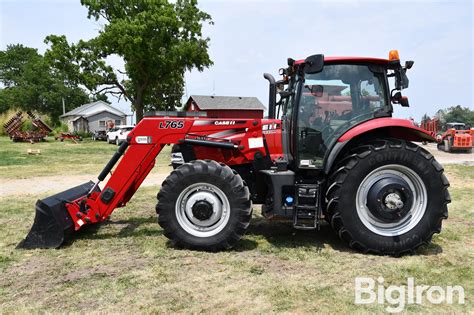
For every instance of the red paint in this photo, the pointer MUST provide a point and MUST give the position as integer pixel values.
(139, 159)
(399, 128)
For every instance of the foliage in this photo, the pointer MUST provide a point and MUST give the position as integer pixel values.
(83, 134)
(452, 114)
(459, 114)
(425, 117)
(61, 127)
(30, 83)
(157, 40)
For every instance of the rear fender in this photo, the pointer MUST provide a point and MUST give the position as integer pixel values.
(377, 128)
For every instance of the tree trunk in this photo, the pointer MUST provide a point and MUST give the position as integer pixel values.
(138, 104)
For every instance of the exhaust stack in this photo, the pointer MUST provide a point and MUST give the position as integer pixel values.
(271, 96)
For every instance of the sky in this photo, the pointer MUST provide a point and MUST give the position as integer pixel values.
(251, 37)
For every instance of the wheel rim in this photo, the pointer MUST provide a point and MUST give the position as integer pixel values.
(398, 203)
(202, 210)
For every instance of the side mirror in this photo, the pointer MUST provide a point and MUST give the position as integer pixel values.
(404, 102)
(314, 64)
(285, 94)
(409, 64)
(397, 98)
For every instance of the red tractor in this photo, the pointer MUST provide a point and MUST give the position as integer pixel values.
(329, 150)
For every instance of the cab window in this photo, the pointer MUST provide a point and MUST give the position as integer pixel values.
(331, 102)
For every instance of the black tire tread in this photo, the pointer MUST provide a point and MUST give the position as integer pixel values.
(350, 161)
(242, 203)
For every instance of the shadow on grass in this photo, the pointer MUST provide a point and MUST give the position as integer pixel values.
(129, 229)
(280, 234)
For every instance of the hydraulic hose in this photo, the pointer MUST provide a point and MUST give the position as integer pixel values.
(113, 161)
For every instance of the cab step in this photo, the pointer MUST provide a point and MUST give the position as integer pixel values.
(307, 208)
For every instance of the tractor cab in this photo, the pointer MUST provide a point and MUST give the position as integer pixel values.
(330, 102)
(456, 126)
(322, 98)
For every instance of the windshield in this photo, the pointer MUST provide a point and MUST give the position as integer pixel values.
(331, 102)
(456, 126)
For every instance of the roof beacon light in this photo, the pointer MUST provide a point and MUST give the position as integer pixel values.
(393, 55)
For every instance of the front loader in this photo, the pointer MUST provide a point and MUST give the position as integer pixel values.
(329, 150)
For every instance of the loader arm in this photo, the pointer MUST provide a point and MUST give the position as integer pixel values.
(137, 158)
(231, 141)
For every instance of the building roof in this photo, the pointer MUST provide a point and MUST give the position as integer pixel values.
(94, 108)
(226, 102)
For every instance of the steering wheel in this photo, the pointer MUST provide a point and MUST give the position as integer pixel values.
(344, 125)
(350, 121)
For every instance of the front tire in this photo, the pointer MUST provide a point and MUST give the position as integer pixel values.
(387, 197)
(204, 205)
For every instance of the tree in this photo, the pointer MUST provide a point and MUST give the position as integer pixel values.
(459, 114)
(157, 40)
(425, 117)
(30, 83)
(440, 114)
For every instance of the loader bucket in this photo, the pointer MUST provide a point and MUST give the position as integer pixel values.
(53, 225)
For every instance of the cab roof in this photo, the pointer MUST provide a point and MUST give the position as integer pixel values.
(330, 60)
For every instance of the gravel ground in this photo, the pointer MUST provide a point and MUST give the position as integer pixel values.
(55, 184)
(449, 158)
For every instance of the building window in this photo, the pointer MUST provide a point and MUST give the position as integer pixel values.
(118, 122)
(102, 123)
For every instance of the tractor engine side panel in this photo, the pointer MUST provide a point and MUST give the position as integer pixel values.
(271, 129)
(268, 134)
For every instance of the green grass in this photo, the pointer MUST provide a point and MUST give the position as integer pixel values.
(127, 265)
(57, 158)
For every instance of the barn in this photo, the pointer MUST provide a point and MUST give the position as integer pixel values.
(226, 106)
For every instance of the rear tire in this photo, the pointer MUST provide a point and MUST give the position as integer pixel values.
(204, 205)
(398, 203)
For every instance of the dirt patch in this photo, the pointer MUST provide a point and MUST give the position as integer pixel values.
(43, 184)
(449, 158)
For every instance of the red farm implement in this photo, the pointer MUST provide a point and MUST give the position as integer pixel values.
(68, 136)
(14, 125)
